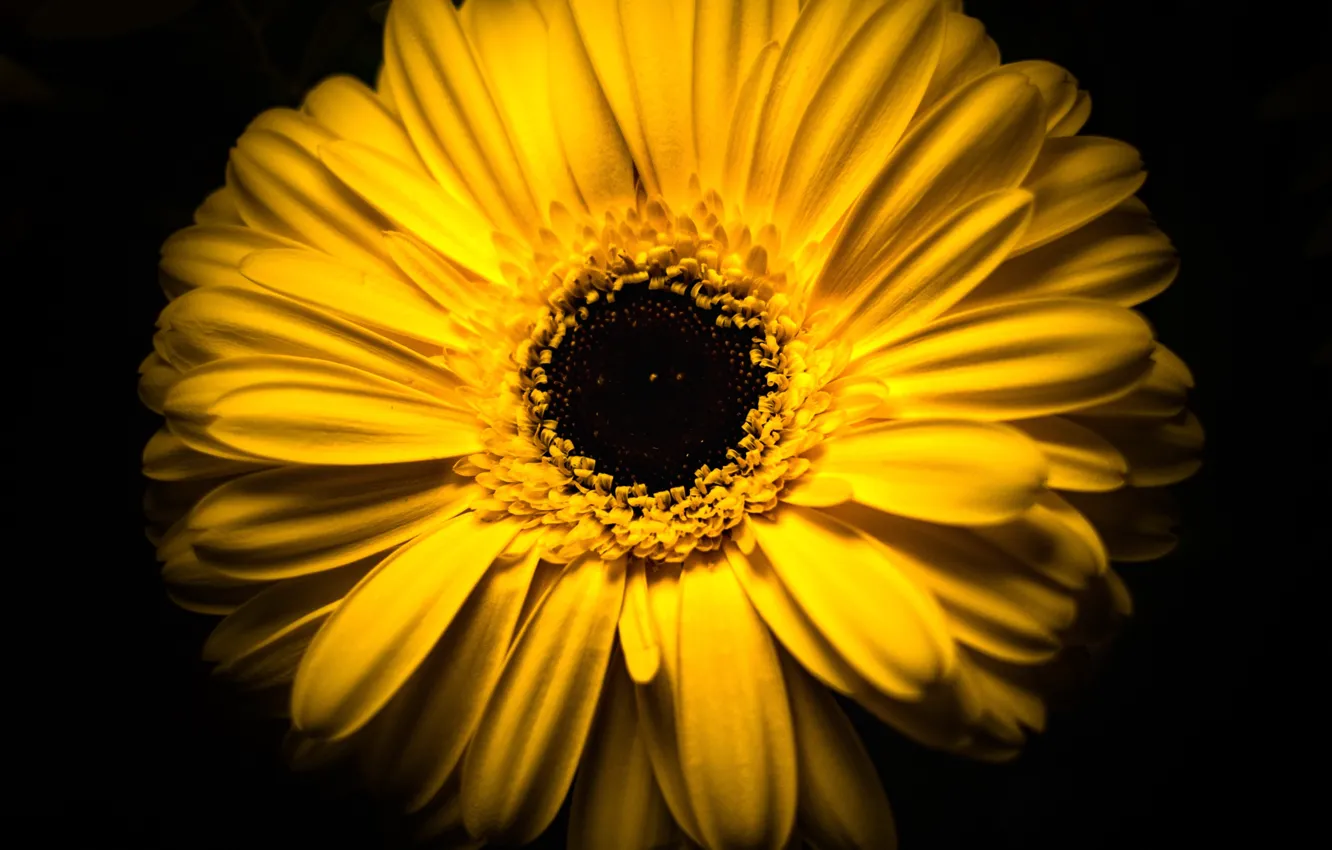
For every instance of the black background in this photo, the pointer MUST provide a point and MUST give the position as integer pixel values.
(1201, 727)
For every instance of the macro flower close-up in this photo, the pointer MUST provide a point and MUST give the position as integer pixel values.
(561, 415)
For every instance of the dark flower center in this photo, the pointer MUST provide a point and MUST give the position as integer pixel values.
(652, 388)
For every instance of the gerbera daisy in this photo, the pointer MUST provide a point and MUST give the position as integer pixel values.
(586, 404)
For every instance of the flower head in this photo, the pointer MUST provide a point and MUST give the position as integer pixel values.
(568, 405)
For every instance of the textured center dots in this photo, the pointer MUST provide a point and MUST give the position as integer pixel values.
(652, 389)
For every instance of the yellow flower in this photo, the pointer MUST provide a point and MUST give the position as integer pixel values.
(586, 404)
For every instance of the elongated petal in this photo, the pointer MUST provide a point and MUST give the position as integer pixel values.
(413, 202)
(967, 53)
(225, 321)
(1080, 459)
(616, 801)
(1160, 395)
(857, 115)
(279, 609)
(297, 520)
(442, 97)
(1059, 88)
(352, 110)
(389, 623)
(1159, 452)
(282, 188)
(374, 301)
(881, 623)
(993, 601)
(522, 760)
(983, 139)
(737, 747)
(204, 590)
(955, 472)
(937, 272)
(210, 255)
(1120, 257)
(600, 28)
(662, 85)
(788, 621)
(842, 803)
(596, 152)
(638, 636)
(1014, 361)
(727, 38)
(1076, 179)
(658, 700)
(1137, 524)
(309, 411)
(420, 748)
(819, 34)
(509, 40)
(744, 124)
(167, 458)
(218, 209)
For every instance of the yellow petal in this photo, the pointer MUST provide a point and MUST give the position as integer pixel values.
(218, 209)
(992, 600)
(616, 801)
(967, 54)
(638, 639)
(309, 411)
(1080, 459)
(204, 590)
(1054, 540)
(1014, 361)
(414, 203)
(727, 38)
(1077, 116)
(955, 472)
(451, 117)
(509, 40)
(1059, 88)
(1159, 452)
(156, 378)
(601, 31)
(737, 747)
(842, 803)
(789, 623)
(984, 138)
(270, 668)
(597, 155)
(657, 701)
(1136, 524)
(282, 189)
(1120, 257)
(420, 747)
(936, 272)
(351, 110)
(1076, 179)
(857, 115)
(1160, 395)
(223, 321)
(210, 255)
(522, 760)
(662, 84)
(388, 624)
(820, 32)
(883, 625)
(167, 458)
(285, 606)
(390, 306)
(744, 123)
(295, 520)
